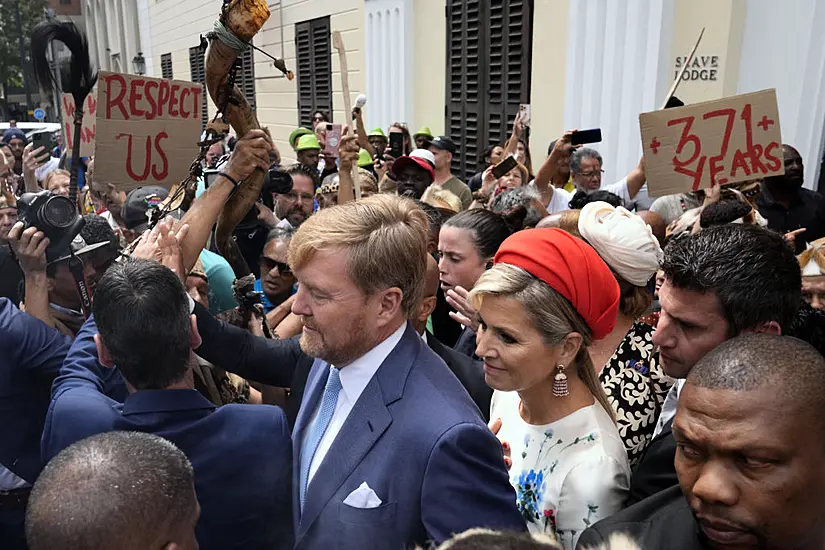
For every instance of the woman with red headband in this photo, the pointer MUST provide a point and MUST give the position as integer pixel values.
(547, 297)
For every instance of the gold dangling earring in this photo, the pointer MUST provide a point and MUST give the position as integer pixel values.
(560, 388)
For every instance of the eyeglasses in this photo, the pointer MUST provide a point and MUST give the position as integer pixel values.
(293, 196)
(592, 175)
(268, 264)
(318, 118)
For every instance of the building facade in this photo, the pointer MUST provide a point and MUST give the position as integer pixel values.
(463, 67)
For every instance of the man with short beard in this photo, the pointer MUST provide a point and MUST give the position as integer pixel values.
(788, 206)
(295, 207)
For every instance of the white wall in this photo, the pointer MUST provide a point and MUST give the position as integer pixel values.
(784, 48)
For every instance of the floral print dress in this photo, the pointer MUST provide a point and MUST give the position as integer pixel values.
(568, 474)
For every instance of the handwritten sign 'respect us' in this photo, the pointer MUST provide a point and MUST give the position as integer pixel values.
(726, 141)
(147, 130)
(87, 131)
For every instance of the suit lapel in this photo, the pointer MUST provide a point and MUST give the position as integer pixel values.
(368, 420)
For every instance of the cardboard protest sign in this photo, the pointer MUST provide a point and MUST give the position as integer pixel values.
(87, 132)
(726, 141)
(147, 130)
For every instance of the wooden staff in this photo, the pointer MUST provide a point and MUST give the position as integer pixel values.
(682, 72)
(338, 43)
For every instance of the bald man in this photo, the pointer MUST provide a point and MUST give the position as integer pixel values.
(750, 434)
(470, 373)
(788, 206)
(125, 490)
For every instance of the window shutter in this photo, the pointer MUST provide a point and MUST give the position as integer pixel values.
(484, 91)
(198, 70)
(312, 47)
(245, 77)
(166, 66)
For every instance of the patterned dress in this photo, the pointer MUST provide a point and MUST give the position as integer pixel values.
(568, 474)
(636, 387)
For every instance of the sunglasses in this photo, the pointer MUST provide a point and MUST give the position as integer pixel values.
(268, 264)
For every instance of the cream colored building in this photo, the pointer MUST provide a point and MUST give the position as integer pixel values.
(585, 63)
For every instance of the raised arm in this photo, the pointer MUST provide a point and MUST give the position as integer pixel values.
(30, 248)
(636, 179)
(347, 157)
(361, 132)
(511, 146)
(550, 167)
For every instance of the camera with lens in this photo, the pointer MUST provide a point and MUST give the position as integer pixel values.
(55, 215)
(275, 180)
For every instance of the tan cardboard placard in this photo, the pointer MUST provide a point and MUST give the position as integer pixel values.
(147, 130)
(726, 141)
(87, 132)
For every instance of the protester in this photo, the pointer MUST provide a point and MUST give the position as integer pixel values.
(412, 174)
(423, 137)
(57, 182)
(126, 490)
(277, 280)
(108, 196)
(538, 313)
(296, 134)
(707, 298)
(142, 325)
(443, 149)
(562, 179)
(524, 197)
(16, 140)
(308, 151)
(490, 157)
(491, 186)
(346, 262)
(580, 200)
(378, 141)
(293, 208)
(214, 154)
(737, 459)
(672, 207)
(625, 358)
(788, 206)
(320, 116)
(32, 356)
(400, 127)
(439, 197)
(466, 246)
(812, 263)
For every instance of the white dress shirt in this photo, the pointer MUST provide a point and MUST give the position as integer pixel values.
(669, 407)
(354, 378)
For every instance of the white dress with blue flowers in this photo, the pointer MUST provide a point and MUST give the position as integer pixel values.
(568, 474)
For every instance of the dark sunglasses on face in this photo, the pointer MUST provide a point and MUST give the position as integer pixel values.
(268, 264)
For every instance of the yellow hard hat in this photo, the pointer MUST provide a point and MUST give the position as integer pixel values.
(306, 142)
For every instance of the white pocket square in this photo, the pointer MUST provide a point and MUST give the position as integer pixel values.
(363, 497)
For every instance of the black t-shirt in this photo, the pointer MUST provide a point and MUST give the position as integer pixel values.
(806, 210)
(11, 276)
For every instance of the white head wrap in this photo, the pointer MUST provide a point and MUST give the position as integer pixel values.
(623, 240)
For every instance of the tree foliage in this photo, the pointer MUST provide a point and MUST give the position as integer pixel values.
(31, 13)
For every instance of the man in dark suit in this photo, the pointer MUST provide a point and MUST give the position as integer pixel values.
(30, 359)
(750, 436)
(389, 449)
(241, 454)
(707, 298)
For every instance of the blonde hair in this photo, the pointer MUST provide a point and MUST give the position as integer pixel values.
(54, 174)
(367, 180)
(552, 314)
(386, 240)
(438, 197)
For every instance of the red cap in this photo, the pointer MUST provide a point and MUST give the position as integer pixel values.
(407, 161)
(570, 267)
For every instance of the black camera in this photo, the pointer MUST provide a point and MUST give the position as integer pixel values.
(55, 215)
(277, 181)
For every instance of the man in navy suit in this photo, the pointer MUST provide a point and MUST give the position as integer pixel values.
(241, 454)
(30, 356)
(389, 449)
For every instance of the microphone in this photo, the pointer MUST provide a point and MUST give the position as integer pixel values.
(360, 101)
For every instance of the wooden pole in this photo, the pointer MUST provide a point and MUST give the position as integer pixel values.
(338, 43)
(684, 68)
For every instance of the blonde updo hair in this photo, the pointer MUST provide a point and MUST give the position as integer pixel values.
(551, 313)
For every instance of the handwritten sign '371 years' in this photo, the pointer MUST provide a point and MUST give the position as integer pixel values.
(147, 130)
(726, 141)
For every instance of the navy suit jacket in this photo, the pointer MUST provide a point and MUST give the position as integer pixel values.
(30, 357)
(241, 454)
(414, 436)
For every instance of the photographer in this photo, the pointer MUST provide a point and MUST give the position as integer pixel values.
(51, 293)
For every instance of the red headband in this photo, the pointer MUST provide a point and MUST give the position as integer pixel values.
(570, 267)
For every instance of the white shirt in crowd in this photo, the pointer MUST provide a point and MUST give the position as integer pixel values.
(561, 198)
(354, 378)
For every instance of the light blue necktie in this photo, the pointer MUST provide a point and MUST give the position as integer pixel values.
(319, 427)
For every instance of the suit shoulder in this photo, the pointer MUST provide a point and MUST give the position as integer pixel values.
(663, 507)
(262, 417)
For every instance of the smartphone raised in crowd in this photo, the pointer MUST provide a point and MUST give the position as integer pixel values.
(586, 136)
(396, 144)
(526, 114)
(333, 140)
(504, 166)
(42, 139)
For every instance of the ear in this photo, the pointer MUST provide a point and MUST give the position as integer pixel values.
(50, 284)
(426, 308)
(569, 348)
(103, 353)
(389, 304)
(195, 339)
(771, 327)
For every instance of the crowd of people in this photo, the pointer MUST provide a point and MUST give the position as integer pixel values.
(526, 360)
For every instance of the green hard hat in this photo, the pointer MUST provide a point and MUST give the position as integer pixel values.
(424, 131)
(296, 133)
(364, 159)
(308, 141)
(377, 132)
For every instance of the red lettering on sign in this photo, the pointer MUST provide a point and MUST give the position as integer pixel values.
(774, 162)
(681, 166)
(135, 95)
(151, 99)
(183, 93)
(159, 173)
(654, 146)
(715, 167)
(163, 96)
(92, 101)
(117, 101)
(129, 169)
(173, 101)
(164, 171)
(766, 123)
(196, 92)
(739, 162)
